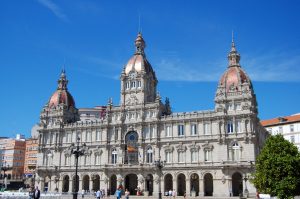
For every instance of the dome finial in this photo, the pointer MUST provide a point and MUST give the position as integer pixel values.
(62, 82)
(139, 44)
(234, 56)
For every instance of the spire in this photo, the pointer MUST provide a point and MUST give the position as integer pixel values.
(234, 56)
(62, 82)
(139, 44)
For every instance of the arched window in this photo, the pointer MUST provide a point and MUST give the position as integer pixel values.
(149, 155)
(235, 152)
(131, 148)
(114, 156)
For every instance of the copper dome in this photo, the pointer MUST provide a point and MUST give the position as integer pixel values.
(61, 95)
(233, 77)
(138, 61)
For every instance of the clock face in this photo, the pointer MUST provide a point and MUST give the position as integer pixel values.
(132, 75)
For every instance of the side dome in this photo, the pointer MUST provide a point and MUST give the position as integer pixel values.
(61, 96)
(138, 61)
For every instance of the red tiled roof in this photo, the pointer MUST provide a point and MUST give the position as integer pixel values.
(280, 120)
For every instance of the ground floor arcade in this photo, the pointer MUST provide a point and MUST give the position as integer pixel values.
(193, 183)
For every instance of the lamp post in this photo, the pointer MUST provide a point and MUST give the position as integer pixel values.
(5, 167)
(159, 164)
(246, 190)
(77, 151)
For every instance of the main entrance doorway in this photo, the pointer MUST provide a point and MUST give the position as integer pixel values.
(131, 183)
(208, 185)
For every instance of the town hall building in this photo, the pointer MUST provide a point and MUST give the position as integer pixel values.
(202, 153)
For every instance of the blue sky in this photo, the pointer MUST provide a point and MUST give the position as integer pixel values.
(187, 45)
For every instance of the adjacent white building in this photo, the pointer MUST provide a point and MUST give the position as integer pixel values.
(206, 153)
(288, 126)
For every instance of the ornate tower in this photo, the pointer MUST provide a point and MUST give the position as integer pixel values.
(235, 91)
(138, 80)
(61, 105)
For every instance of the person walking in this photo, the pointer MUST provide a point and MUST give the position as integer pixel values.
(119, 193)
(82, 193)
(127, 193)
(98, 194)
(37, 193)
(174, 194)
(31, 193)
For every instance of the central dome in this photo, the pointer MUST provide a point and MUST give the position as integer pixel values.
(234, 76)
(138, 61)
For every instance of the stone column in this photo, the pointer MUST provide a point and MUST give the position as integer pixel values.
(70, 185)
(155, 185)
(201, 188)
(188, 187)
(91, 184)
(175, 185)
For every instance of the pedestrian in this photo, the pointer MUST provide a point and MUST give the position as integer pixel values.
(127, 193)
(37, 193)
(82, 193)
(184, 195)
(174, 194)
(98, 194)
(119, 193)
(31, 193)
(170, 193)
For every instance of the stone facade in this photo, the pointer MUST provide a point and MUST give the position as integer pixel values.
(204, 153)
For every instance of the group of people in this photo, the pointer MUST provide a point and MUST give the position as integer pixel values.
(118, 193)
(34, 193)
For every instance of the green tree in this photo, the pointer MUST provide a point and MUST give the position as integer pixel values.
(278, 168)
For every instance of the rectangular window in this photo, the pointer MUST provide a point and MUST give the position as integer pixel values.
(238, 106)
(238, 126)
(229, 126)
(168, 131)
(88, 136)
(146, 132)
(194, 156)
(194, 129)
(230, 107)
(280, 130)
(98, 135)
(152, 132)
(168, 156)
(181, 156)
(206, 129)
(180, 130)
(139, 84)
(292, 139)
(291, 128)
(207, 155)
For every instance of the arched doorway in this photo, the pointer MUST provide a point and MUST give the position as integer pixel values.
(96, 182)
(65, 186)
(86, 183)
(113, 184)
(208, 185)
(75, 186)
(168, 182)
(131, 148)
(131, 183)
(195, 183)
(181, 184)
(149, 184)
(237, 184)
